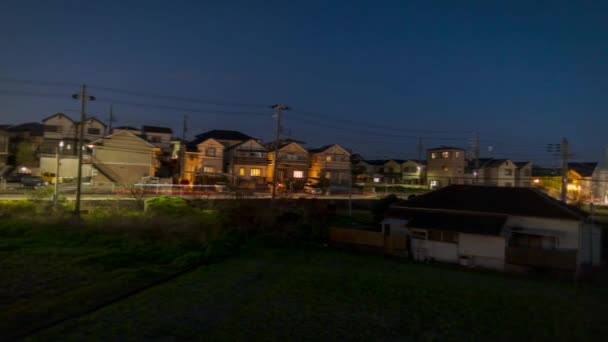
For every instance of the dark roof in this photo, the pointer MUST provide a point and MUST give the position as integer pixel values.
(445, 148)
(33, 127)
(220, 134)
(538, 171)
(376, 161)
(521, 164)
(263, 149)
(58, 114)
(496, 200)
(584, 169)
(491, 162)
(320, 149)
(5, 127)
(485, 224)
(156, 129)
(126, 128)
(398, 161)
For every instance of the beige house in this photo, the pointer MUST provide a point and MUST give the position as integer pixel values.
(60, 127)
(332, 163)
(497, 172)
(4, 142)
(129, 129)
(503, 228)
(445, 166)
(413, 171)
(123, 158)
(292, 164)
(247, 163)
(523, 174)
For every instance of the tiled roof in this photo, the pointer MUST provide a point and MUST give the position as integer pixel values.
(320, 149)
(521, 164)
(496, 200)
(126, 128)
(484, 224)
(220, 134)
(584, 169)
(490, 162)
(34, 127)
(156, 129)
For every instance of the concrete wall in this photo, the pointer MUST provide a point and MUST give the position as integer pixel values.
(445, 171)
(68, 166)
(486, 251)
(443, 251)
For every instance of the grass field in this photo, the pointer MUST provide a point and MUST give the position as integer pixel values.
(312, 293)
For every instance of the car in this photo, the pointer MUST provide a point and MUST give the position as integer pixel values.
(15, 177)
(312, 189)
(33, 181)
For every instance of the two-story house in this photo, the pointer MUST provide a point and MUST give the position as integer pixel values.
(292, 164)
(497, 172)
(129, 129)
(330, 164)
(4, 142)
(60, 127)
(523, 174)
(247, 164)
(25, 141)
(159, 137)
(206, 154)
(413, 172)
(445, 165)
(123, 158)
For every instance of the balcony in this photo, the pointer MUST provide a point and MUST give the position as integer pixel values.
(555, 259)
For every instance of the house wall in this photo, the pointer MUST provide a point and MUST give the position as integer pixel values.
(567, 231)
(337, 170)
(445, 171)
(523, 176)
(486, 251)
(65, 128)
(216, 163)
(443, 251)
(412, 172)
(287, 167)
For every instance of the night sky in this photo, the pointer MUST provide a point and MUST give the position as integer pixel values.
(371, 76)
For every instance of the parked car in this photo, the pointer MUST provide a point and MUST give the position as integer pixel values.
(15, 177)
(33, 181)
(312, 189)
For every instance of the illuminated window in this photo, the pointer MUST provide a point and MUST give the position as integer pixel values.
(327, 175)
(328, 158)
(456, 154)
(433, 155)
(241, 171)
(255, 172)
(445, 155)
(444, 168)
(210, 152)
(209, 169)
(298, 174)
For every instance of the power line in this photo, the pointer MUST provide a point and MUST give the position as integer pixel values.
(39, 83)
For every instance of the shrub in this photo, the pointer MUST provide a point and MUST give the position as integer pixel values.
(167, 206)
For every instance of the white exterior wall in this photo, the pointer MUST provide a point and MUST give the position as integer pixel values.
(566, 231)
(68, 166)
(486, 251)
(442, 251)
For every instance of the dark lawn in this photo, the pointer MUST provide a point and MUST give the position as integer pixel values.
(305, 293)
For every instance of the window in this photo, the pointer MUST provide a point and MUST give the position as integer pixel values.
(508, 172)
(210, 169)
(456, 154)
(433, 183)
(443, 236)
(94, 131)
(327, 174)
(155, 140)
(298, 174)
(255, 172)
(210, 152)
(328, 158)
(52, 128)
(433, 155)
(241, 171)
(527, 172)
(445, 155)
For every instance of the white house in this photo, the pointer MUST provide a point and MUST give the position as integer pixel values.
(495, 227)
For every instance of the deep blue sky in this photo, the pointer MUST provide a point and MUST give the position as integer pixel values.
(522, 73)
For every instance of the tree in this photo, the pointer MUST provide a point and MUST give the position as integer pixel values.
(25, 154)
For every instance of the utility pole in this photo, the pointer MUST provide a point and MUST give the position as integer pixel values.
(182, 154)
(476, 157)
(279, 112)
(564, 150)
(419, 149)
(83, 97)
(58, 150)
(111, 120)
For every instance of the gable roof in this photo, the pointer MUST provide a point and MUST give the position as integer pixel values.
(484, 224)
(398, 161)
(126, 128)
(585, 169)
(263, 148)
(122, 132)
(376, 162)
(156, 129)
(92, 118)
(221, 134)
(58, 114)
(521, 164)
(495, 200)
(284, 145)
(491, 162)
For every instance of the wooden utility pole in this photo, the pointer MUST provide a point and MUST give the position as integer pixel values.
(182, 150)
(476, 157)
(110, 120)
(83, 97)
(279, 112)
(564, 150)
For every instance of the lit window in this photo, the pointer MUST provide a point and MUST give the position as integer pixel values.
(456, 154)
(445, 155)
(433, 183)
(210, 152)
(241, 171)
(376, 180)
(298, 174)
(255, 172)
(536, 181)
(208, 169)
(444, 168)
(328, 158)
(433, 155)
(328, 175)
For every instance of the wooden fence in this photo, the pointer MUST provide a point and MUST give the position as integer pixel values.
(392, 245)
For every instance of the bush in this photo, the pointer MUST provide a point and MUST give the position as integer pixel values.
(167, 206)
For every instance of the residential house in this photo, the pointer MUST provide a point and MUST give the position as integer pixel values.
(445, 166)
(495, 227)
(523, 174)
(413, 172)
(124, 158)
(582, 178)
(496, 172)
(159, 137)
(330, 164)
(600, 184)
(4, 147)
(369, 170)
(247, 163)
(206, 154)
(129, 129)
(24, 146)
(60, 127)
(292, 164)
(391, 171)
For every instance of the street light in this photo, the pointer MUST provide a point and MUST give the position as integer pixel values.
(58, 150)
